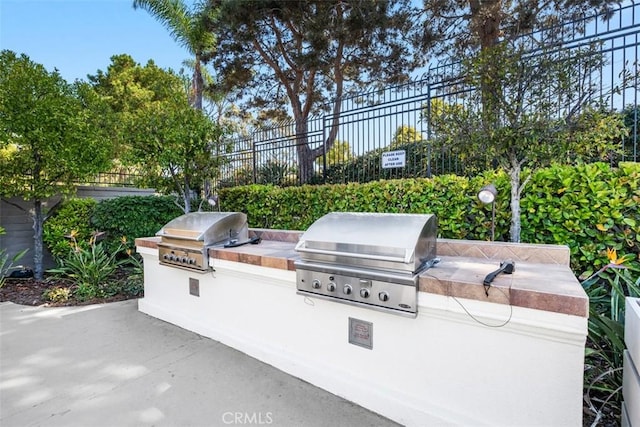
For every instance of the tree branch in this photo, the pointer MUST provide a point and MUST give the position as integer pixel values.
(14, 205)
(523, 184)
(280, 44)
(295, 103)
(337, 104)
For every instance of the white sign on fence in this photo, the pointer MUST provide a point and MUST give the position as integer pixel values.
(394, 159)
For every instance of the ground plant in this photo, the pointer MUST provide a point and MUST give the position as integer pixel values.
(91, 267)
(57, 294)
(7, 262)
(607, 290)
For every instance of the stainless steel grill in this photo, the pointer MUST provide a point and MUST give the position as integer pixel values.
(186, 239)
(368, 259)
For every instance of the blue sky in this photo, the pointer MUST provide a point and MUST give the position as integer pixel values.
(78, 37)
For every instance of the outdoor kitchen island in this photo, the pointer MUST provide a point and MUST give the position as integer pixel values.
(510, 354)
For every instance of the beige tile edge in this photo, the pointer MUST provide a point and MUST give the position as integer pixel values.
(529, 252)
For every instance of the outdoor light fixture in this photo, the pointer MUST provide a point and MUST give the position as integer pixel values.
(486, 195)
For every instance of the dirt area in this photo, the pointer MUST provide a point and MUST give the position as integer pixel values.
(29, 291)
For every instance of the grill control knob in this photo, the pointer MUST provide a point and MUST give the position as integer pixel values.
(347, 289)
(384, 296)
(364, 293)
(331, 287)
(316, 284)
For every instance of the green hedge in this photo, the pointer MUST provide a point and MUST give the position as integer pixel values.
(127, 216)
(73, 215)
(451, 198)
(133, 216)
(588, 207)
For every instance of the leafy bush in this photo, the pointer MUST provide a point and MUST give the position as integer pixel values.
(607, 290)
(589, 208)
(277, 173)
(90, 268)
(57, 294)
(241, 176)
(133, 217)
(73, 215)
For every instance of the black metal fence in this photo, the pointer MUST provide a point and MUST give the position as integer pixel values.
(113, 179)
(388, 133)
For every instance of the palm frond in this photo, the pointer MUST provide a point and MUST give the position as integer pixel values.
(175, 16)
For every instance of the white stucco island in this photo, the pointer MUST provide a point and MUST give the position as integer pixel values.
(511, 358)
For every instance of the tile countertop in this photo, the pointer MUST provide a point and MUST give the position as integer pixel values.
(542, 278)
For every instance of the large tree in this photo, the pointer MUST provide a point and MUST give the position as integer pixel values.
(462, 27)
(170, 143)
(515, 58)
(530, 128)
(295, 58)
(52, 135)
(188, 27)
(128, 86)
(465, 28)
(175, 143)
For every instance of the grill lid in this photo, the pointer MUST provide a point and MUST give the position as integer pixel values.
(400, 242)
(210, 228)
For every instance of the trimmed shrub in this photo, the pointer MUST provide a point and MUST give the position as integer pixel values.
(73, 215)
(132, 217)
(451, 198)
(588, 207)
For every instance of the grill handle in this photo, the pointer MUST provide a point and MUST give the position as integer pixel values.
(406, 259)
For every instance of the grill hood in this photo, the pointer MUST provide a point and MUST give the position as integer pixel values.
(209, 228)
(404, 243)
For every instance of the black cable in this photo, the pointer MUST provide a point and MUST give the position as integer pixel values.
(473, 317)
(486, 324)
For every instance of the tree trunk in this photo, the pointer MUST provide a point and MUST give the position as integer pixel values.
(305, 155)
(38, 220)
(338, 76)
(486, 18)
(197, 84)
(514, 175)
(186, 196)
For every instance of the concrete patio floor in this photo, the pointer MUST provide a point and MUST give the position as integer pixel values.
(110, 365)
